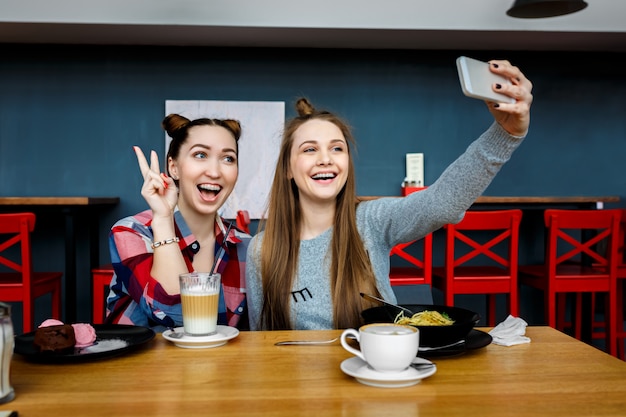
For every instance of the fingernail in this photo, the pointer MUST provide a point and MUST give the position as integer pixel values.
(495, 65)
(498, 86)
(496, 105)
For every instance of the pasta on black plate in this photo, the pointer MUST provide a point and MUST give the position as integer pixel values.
(424, 318)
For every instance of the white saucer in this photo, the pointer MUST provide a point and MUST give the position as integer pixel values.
(223, 335)
(363, 373)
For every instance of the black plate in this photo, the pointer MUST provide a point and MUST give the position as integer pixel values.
(431, 336)
(475, 339)
(111, 340)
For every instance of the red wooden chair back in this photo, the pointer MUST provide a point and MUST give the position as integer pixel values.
(415, 270)
(581, 256)
(481, 257)
(18, 281)
(415, 264)
(568, 245)
(621, 275)
(101, 278)
(621, 249)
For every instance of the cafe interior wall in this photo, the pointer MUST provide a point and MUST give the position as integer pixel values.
(70, 114)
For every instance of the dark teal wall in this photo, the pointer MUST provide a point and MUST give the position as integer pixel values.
(70, 114)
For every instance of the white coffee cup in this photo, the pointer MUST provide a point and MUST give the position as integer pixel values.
(386, 347)
(199, 295)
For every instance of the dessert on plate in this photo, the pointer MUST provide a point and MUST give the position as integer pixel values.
(57, 337)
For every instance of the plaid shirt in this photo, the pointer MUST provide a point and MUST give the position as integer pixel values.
(137, 298)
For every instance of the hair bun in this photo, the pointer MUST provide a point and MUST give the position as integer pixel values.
(234, 126)
(304, 107)
(174, 122)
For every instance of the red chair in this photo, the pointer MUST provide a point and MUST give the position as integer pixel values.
(100, 281)
(621, 276)
(410, 269)
(414, 271)
(20, 283)
(581, 257)
(599, 327)
(483, 263)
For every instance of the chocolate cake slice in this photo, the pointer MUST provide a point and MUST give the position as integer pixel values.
(55, 339)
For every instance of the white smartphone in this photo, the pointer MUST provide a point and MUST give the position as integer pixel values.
(476, 80)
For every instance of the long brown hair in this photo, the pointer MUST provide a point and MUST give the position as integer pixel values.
(350, 268)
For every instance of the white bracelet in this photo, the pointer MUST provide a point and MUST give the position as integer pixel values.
(165, 242)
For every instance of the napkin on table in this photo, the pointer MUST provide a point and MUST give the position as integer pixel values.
(510, 332)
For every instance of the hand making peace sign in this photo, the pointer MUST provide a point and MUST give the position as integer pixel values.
(158, 189)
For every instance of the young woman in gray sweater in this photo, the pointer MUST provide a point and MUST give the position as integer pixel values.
(319, 246)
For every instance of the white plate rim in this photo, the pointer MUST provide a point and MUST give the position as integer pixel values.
(358, 369)
(224, 334)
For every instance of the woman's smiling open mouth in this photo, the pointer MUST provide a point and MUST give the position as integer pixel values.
(324, 176)
(209, 190)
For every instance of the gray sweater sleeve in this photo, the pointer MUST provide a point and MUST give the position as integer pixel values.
(385, 222)
(447, 199)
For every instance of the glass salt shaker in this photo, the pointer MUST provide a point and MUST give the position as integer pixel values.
(7, 343)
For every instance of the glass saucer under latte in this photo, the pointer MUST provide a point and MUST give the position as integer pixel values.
(223, 335)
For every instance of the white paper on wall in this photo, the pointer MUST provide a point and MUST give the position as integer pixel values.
(262, 125)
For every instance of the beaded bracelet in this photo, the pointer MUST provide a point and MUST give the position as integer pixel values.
(165, 242)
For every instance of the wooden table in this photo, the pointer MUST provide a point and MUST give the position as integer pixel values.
(73, 210)
(553, 375)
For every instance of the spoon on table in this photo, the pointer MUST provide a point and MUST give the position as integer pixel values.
(380, 300)
(310, 342)
(306, 342)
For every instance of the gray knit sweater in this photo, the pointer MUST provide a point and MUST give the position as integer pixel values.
(383, 223)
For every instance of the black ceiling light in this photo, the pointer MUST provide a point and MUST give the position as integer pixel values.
(532, 9)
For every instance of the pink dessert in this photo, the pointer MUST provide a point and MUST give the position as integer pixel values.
(84, 332)
(51, 322)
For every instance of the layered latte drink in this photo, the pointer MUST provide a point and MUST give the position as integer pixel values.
(199, 293)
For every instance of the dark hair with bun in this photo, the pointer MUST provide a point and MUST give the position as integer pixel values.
(177, 127)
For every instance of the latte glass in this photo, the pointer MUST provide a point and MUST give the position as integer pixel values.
(199, 294)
